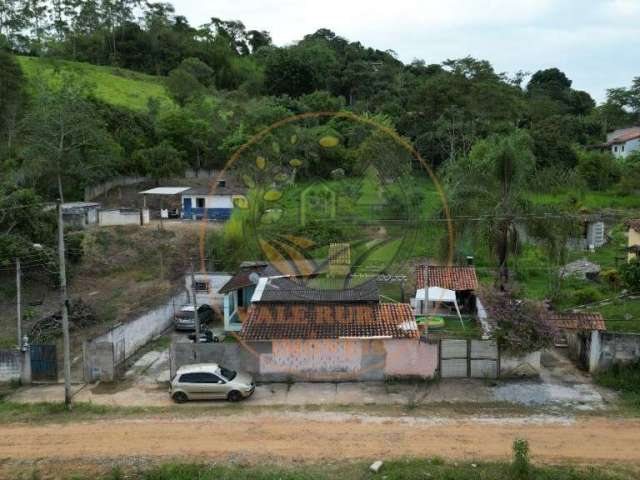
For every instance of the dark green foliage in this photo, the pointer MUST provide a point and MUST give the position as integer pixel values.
(586, 295)
(624, 378)
(630, 273)
(12, 100)
(599, 169)
(160, 161)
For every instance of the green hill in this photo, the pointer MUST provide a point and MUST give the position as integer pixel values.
(117, 86)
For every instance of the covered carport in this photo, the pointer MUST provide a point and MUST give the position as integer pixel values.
(165, 194)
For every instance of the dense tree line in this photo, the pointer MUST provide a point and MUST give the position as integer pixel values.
(229, 82)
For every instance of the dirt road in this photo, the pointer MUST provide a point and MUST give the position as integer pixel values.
(322, 436)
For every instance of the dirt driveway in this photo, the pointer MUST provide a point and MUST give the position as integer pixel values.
(285, 437)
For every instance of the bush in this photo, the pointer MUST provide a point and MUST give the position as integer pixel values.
(520, 463)
(522, 326)
(630, 273)
(585, 295)
(599, 169)
(624, 378)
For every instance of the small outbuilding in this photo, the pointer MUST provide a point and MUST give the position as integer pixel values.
(211, 203)
(579, 330)
(80, 214)
(445, 289)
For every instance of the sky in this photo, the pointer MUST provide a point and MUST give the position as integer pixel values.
(595, 42)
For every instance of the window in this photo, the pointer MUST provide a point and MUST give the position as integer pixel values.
(240, 296)
(622, 148)
(199, 202)
(227, 373)
(189, 378)
(205, 377)
(200, 377)
(615, 148)
(201, 286)
(222, 183)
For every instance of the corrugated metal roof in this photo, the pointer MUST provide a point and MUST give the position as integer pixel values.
(164, 191)
(290, 290)
(216, 191)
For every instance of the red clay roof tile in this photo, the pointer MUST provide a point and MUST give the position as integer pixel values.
(322, 321)
(450, 277)
(578, 320)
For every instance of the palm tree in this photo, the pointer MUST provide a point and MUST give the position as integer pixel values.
(486, 192)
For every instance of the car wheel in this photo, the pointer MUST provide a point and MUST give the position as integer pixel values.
(234, 396)
(180, 397)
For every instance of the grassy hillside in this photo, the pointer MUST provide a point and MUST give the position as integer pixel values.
(117, 86)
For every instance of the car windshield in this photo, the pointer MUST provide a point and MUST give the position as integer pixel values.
(184, 314)
(227, 373)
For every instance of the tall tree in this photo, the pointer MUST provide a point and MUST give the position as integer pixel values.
(11, 99)
(490, 185)
(65, 138)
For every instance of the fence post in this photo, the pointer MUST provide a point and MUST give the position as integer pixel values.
(594, 351)
(25, 365)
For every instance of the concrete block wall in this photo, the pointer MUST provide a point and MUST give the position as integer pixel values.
(144, 328)
(520, 365)
(614, 348)
(99, 362)
(10, 365)
(129, 336)
(114, 217)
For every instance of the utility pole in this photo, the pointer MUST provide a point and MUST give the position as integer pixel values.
(195, 303)
(64, 301)
(19, 301)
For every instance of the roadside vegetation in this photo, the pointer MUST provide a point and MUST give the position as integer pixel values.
(407, 469)
(624, 379)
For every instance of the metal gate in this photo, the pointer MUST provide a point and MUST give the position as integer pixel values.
(44, 363)
(468, 358)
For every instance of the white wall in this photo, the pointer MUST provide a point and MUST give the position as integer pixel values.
(122, 217)
(215, 281)
(211, 201)
(144, 328)
(629, 147)
(519, 366)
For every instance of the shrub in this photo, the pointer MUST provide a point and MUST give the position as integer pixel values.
(599, 169)
(624, 378)
(585, 295)
(630, 273)
(520, 463)
(522, 326)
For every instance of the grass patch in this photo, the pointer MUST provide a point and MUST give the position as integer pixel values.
(625, 379)
(454, 329)
(405, 469)
(621, 315)
(117, 86)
